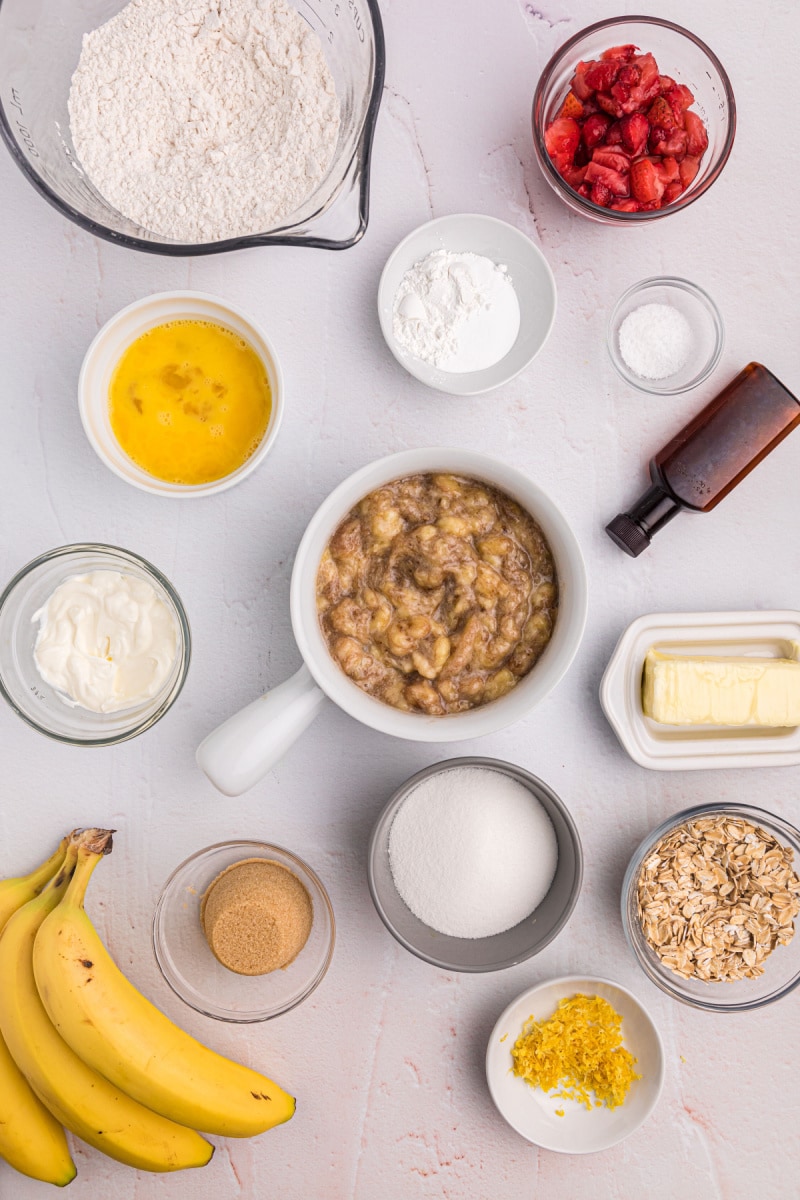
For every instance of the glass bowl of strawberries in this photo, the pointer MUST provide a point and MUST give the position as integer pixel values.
(633, 118)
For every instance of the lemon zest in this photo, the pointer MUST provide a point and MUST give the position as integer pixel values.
(579, 1051)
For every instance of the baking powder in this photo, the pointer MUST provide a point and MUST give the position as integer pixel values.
(204, 119)
(458, 312)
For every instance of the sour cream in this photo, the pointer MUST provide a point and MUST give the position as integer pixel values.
(106, 641)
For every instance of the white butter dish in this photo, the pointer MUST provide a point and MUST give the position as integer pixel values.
(773, 634)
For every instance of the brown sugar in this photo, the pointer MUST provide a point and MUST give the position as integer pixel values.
(256, 916)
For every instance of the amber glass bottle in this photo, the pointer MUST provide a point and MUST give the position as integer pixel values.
(710, 455)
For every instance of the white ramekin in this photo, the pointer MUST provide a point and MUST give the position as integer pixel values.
(109, 345)
(241, 751)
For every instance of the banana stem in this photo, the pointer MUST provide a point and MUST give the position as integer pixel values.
(97, 841)
(90, 846)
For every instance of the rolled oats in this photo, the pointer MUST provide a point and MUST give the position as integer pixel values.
(716, 896)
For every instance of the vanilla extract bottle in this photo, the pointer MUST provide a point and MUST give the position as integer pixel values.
(711, 455)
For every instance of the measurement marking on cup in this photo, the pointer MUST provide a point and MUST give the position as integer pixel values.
(356, 19)
(24, 132)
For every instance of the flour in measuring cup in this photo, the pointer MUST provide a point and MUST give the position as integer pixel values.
(204, 119)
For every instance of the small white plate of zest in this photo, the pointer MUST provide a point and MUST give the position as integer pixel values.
(768, 634)
(537, 1115)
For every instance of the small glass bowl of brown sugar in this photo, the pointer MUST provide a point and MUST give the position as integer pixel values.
(243, 931)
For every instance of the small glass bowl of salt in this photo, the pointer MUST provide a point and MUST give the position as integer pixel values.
(665, 336)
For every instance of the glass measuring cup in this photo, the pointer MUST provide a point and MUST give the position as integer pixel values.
(40, 43)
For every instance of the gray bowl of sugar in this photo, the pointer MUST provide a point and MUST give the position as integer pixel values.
(475, 865)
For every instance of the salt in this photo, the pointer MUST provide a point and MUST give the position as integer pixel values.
(472, 852)
(655, 341)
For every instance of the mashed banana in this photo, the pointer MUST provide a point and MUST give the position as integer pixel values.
(437, 593)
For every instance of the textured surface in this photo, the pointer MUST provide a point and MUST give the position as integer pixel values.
(387, 1057)
(207, 127)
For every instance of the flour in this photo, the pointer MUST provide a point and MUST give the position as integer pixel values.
(458, 312)
(204, 119)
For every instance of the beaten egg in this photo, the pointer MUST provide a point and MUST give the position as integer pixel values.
(190, 401)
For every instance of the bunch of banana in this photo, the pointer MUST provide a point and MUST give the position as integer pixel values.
(87, 1051)
(30, 1137)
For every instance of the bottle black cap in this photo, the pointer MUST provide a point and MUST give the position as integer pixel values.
(626, 534)
(632, 531)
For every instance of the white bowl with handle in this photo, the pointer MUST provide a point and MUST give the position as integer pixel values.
(240, 751)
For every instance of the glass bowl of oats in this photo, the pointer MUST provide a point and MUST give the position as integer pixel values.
(710, 902)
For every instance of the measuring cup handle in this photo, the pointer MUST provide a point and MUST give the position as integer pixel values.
(239, 752)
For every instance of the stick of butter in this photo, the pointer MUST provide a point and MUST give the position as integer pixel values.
(684, 690)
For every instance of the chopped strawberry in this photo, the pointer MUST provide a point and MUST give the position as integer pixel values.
(572, 106)
(579, 84)
(688, 169)
(621, 92)
(632, 75)
(617, 160)
(648, 83)
(625, 206)
(574, 176)
(600, 75)
(615, 181)
(600, 194)
(668, 142)
(696, 130)
(668, 169)
(595, 129)
(687, 94)
(645, 183)
(561, 137)
(620, 53)
(626, 136)
(609, 104)
(660, 113)
(674, 99)
(634, 130)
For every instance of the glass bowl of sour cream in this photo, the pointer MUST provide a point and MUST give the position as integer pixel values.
(94, 644)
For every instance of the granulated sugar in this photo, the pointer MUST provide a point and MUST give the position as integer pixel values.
(472, 852)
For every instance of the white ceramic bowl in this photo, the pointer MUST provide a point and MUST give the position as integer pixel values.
(532, 1112)
(765, 634)
(530, 275)
(243, 749)
(112, 341)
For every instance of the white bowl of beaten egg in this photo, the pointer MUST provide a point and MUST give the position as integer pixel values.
(181, 394)
(241, 750)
